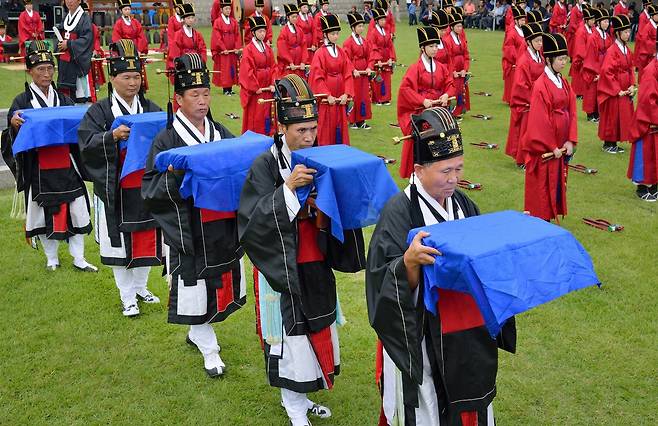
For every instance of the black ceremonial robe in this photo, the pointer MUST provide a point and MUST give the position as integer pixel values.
(50, 174)
(124, 210)
(462, 354)
(296, 258)
(76, 59)
(204, 254)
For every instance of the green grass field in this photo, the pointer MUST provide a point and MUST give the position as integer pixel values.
(68, 356)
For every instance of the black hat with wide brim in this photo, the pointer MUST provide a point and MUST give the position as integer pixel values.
(294, 99)
(330, 23)
(554, 45)
(355, 19)
(427, 35)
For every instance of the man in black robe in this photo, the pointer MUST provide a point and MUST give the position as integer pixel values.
(292, 250)
(129, 238)
(57, 206)
(76, 46)
(431, 369)
(204, 261)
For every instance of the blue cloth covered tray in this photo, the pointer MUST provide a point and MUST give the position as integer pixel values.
(352, 186)
(49, 126)
(143, 128)
(508, 261)
(215, 172)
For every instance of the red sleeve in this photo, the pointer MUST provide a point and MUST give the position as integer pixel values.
(236, 34)
(646, 113)
(591, 66)
(537, 140)
(609, 84)
(23, 32)
(282, 51)
(215, 11)
(317, 77)
(573, 114)
(200, 46)
(579, 49)
(376, 54)
(247, 76)
(216, 42)
(391, 21)
(117, 31)
(40, 26)
(522, 86)
(408, 96)
(97, 40)
(348, 76)
(268, 34)
(142, 42)
(174, 46)
(467, 56)
(347, 48)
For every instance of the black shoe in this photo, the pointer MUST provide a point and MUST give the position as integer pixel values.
(644, 193)
(654, 190)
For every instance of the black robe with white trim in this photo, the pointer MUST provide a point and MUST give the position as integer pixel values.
(124, 209)
(76, 60)
(49, 176)
(204, 258)
(463, 361)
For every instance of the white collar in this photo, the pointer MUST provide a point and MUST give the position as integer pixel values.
(323, 13)
(291, 27)
(588, 29)
(127, 20)
(227, 19)
(135, 108)
(178, 18)
(333, 52)
(259, 44)
(287, 156)
(191, 132)
(621, 46)
(50, 100)
(455, 37)
(257, 13)
(622, 3)
(646, 12)
(30, 12)
(430, 66)
(303, 16)
(188, 30)
(601, 32)
(556, 79)
(534, 54)
(653, 23)
(447, 213)
(380, 29)
(518, 30)
(71, 20)
(2, 37)
(357, 38)
(559, 5)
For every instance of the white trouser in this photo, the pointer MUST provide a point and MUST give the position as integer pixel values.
(76, 249)
(203, 336)
(296, 405)
(131, 282)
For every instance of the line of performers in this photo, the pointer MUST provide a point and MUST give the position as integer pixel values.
(430, 369)
(602, 75)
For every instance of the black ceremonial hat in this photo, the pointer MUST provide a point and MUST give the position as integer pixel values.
(224, 3)
(124, 57)
(533, 16)
(620, 22)
(378, 14)
(652, 9)
(291, 9)
(330, 23)
(427, 35)
(439, 19)
(355, 19)
(190, 72)
(257, 23)
(436, 136)
(518, 13)
(123, 3)
(259, 3)
(37, 52)
(2, 23)
(382, 4)
(455, 18)
(531, 31)
(324, 2)
(186, 10)
(448, 3)
(554, 45)
(301, 3)
(587, 14)
(602, 14)
(294, 99)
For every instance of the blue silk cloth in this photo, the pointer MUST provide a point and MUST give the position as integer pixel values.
(508, 261)
(49, 126)
(143, 128)
(352, 186)
(215, 172)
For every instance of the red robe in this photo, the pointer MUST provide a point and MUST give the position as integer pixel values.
(381, 49)
(359, 55)
(291, 50)
(332, 76)
(443, 56)
(173, 26)
(575, 23)
(620, 9)
(417, 85)
(554, 122)
(318, 37)
(460, 61)
(97, 68)
(7, 39)
(247, 31)
(616, 112)
(527, 72)
(215, 11)
(514, 43)
(643, 19)
(558, 19)
(132, 32)
(27, 27)
(182, 44)
(509, 19)
(645, 46)
(389, 26)
(643, 164)
(307, 28)
(578, 53)
(256, 72)
(225, 37)
(596, 49)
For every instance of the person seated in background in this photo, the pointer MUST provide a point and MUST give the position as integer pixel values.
(470, 11)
